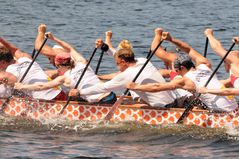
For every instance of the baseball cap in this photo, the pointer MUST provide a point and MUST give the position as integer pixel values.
(62, 58)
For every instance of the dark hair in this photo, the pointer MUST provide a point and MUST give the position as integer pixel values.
(126, 54)
(188, 64)
(185, 61)
(5, 54)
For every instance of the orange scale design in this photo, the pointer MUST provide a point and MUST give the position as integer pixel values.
(99, 114)
(235, 123)
(69, 108)
(153, 122)
(75, 113)
(58, 107)
(229, 118)
(222, 122)
(81, 109)
(18, 109)
(12, 112)
(122, 116)
(204, 125)
(35, 114)
(209, 122)
(23, 105)
(52, 111)
(92, 109)
(93, 118)
(135, 116)
(198, 121)
(7, 110)
(152, 114)
(216, 126)
(87, 114)
(105, 110)
(190, 116)
(171, 119)
(69, 116)
(129, 112)
(203, 117)
(117, 112)
(13, 104)
(146, 118)
(165, 115)
(159, 119)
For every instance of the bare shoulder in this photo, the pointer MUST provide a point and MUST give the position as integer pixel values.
(188, 84)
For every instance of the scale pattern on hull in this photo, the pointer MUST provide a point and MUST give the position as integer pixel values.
(140, 113)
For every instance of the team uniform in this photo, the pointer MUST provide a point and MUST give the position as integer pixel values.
(213, 102)
(149, 75)
(89, 79)
(35, 75)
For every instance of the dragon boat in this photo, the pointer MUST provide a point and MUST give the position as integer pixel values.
(128, 110)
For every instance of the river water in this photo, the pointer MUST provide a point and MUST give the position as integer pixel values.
(80, 23)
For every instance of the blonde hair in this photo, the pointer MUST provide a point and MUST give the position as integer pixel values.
(126, 54)
(125, 44)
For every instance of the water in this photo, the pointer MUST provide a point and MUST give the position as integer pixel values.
(80, 23)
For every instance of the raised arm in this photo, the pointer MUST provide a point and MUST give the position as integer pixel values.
(46, 50)
(108, 36)
(16, 52)
(166, 57)
(196, 56)
(77, 57)
(219, 49)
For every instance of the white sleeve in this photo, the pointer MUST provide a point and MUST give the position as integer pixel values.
(117, 83)
(111, 52)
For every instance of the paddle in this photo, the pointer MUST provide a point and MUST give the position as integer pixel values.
(79, 80)
(149, 53)
(205, 49)
(118, 102)
(33, 52)
(25, 73)
(98, 65)
(190, 106)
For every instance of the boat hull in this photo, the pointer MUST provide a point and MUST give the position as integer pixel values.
(134, 112)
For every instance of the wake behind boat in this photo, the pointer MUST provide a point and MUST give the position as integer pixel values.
(127, 111)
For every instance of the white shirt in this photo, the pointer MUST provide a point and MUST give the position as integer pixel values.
(35, 75)
(214, 102)
(149, 75)
(89, 79)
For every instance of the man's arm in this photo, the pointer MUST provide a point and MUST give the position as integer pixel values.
(16, 52)
(108, 36)
(221, 92)
(108, 76)
(157, 87)
(196, 56)
(166, 57)
(74, 54)
(46, 50)
(117, 83)
(41, 86)
(219, 49)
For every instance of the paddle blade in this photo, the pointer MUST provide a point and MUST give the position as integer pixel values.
(114, 108)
